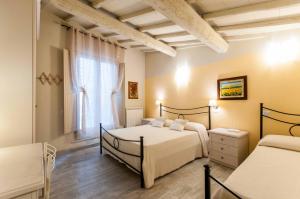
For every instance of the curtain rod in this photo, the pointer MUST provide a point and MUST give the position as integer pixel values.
(94, 36)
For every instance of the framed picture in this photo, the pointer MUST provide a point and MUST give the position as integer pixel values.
(234, 88)
(133, 90)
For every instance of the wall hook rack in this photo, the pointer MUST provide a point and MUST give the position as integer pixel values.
(50, 79)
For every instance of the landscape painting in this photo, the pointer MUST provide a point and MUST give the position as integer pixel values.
(232, 88)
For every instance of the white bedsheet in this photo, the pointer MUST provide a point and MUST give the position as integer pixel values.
(165, 150)
(268, 173)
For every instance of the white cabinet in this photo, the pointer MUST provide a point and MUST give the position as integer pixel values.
(228, 147)
(134, 116)
(17, 71)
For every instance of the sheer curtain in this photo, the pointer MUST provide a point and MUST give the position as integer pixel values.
(97, 72)
(120, 73)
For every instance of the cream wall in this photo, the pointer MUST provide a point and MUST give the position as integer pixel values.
(16, 72)
(135, 71)
(50, 101)
(277, 86)
(50, 117)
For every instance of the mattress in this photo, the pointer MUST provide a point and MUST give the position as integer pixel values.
(268, 173)
(165, 150)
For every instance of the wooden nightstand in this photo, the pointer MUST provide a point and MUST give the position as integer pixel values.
(147, 120)
(228, 146)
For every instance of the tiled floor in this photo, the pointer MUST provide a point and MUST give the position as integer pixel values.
(85, 174)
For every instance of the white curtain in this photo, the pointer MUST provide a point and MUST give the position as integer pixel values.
(117, 87)
(97, 72)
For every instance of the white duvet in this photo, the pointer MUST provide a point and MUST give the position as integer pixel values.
(268, 173)
(165, 150)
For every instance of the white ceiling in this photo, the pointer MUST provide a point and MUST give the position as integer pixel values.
(120, 8)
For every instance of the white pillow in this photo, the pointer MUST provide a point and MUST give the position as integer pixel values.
(181, 121)
(160, 119)
(157, 123)
(281, 142)
(177, 126)
(194, 126)
(168, 122)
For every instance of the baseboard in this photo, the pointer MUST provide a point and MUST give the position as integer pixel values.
(71, 150)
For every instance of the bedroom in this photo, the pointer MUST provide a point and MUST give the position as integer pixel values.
(71, 65)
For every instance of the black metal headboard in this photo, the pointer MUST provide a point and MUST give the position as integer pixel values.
(262, 115)
(177, 111)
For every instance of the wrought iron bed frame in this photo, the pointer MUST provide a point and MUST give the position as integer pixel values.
(116, 144)
(167, 109)
(116, 140)
(208, 176)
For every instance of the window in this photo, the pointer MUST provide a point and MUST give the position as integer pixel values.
(87, 102)
(97, 83)
(108, 81)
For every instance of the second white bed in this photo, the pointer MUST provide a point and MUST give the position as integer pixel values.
(165, 150)
(271, 171)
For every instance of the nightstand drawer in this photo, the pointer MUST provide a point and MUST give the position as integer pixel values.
(226, 149)
(228, 146)
(224, 140)
(221, 157)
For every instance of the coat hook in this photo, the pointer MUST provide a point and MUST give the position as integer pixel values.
(50, 79)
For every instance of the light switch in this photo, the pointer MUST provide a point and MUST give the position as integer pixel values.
(266, 112)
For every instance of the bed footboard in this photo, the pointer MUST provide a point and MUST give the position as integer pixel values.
(116, 144)
(207, 182)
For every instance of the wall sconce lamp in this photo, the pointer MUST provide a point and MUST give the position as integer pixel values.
(158, 102)
(213, 103)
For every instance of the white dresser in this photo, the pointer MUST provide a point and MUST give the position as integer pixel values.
(134, 116)
(228, 147)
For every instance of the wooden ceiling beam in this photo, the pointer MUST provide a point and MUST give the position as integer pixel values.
(196, 4)
(250, 8)
(98, 3)
(244, 37)
(99, 18)
(190, 46)
(171, 35)
(85, 30)
(93, 27)
(110, 34)
(149, 51)
(181, 13)
(138, 46)
(68, 18)
(265, 23)
(125, 41)
(181, 43)
(156, 26)
(138, 13)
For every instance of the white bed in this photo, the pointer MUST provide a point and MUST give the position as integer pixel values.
(272, 171)
(165, 150)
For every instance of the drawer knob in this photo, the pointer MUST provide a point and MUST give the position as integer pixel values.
(222, 148)
(222, 157)
(222, 139)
